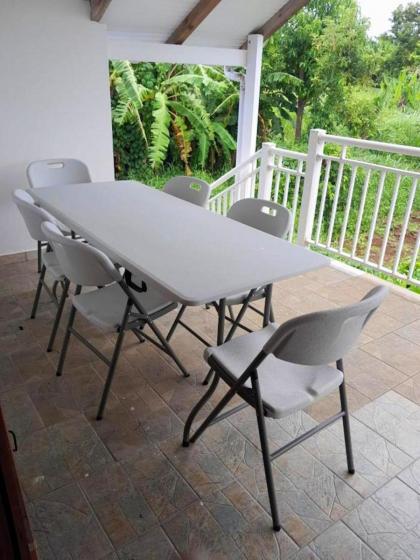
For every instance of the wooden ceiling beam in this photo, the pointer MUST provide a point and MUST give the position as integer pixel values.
(98, 8)
(190, 23)
(279, 18)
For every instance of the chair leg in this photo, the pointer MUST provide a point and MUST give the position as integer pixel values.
(167, 347)
(38, 292)
(175, 323)
(196, 410)
(231, 313)
(39, 254)
(110, 375)
(58, 315)
(221, 310)
(265, 453)
(346, 422)
(272, 318)
(67, 335)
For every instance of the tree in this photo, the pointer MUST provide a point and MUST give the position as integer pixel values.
(323, 47)
(402, 44)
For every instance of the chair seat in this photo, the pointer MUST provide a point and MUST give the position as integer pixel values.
(53, 268)
(285, 387)
(105, 307)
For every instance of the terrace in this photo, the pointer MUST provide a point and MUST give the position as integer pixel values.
(124, 487)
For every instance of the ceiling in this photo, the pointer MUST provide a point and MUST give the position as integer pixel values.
(227, 24)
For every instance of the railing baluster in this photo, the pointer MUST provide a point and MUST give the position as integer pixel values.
(336, 195)
(360, 215)
(322, 203)
(375, 215)
(295, 199)
(286, 189)
(347, 209)
(278, 177)
(389, 220)
(414, 258)
(405, 226)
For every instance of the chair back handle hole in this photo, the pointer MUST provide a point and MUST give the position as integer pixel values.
(269, 211)
(195, 187)
(56, 164)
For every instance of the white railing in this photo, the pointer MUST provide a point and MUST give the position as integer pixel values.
(342, 200)
(272, 173)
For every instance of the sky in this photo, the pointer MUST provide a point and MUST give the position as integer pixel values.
(379, 13)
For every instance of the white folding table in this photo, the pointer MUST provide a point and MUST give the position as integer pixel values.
(194, 256)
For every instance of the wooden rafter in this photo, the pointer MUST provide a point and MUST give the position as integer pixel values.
(189, 24)
(98, 8)
(279, 18)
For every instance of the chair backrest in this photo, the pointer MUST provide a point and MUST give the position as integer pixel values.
(53, 172)
(33, 215)
(190, 189)
(325, 336)
(264, 215)
(81, 263)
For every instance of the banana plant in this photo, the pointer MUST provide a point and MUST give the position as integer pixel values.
(187, 108)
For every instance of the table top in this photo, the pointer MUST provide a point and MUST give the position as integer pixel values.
(193, 255)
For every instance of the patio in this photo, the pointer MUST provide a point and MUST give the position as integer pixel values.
(125, 488)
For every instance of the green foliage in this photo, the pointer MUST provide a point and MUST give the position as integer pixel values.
(159, 130)
(405, 38)
(182, 114)
(359, 112)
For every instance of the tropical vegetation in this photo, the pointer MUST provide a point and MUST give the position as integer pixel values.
(320, 70)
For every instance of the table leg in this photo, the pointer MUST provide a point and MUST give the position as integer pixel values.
(267, 304)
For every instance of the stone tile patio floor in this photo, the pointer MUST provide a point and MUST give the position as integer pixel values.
(124, 488)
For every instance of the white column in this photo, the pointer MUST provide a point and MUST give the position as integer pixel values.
(310, 185)
(249, 103)
(266, 170)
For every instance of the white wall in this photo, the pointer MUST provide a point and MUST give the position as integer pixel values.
(54, 98)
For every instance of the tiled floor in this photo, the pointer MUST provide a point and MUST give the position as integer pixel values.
(124, 488)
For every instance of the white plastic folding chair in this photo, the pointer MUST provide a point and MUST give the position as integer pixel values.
(119, 305)
(190, 189)
(54, 172)
(281, 370)
(266, 216)
(34, 216)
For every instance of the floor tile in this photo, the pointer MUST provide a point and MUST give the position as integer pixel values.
(78, 444)
(369, 375)
(410, 388)
(249, 525)
(41, 466)
(19, 412)
(196, 534)
(121, 509)
(339, 543)
(395, 418)
(383, 532)
(154, 545)
(327, 490)
(402, 502)
(165, 490)
(411, 476)
(396, 351)
(410, 332)
(69, 525)
(376, 459)
(200, 467)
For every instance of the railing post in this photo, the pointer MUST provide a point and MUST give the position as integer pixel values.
(266, 170)
(310, 185)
